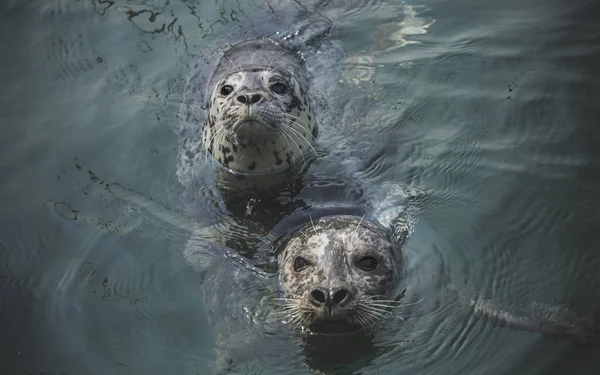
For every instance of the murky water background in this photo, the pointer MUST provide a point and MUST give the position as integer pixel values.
(487, 109)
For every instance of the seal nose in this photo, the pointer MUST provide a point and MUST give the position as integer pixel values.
(338, 296)
(319, 297)
(249, 98)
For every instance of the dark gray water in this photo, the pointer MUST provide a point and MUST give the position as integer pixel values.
(486, 109)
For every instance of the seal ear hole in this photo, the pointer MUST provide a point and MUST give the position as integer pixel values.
(278, 88)
(300, 264)
(226, 90)
(367, 263)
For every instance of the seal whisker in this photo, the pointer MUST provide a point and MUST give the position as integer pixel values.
(305, 235)
(275, 67)
(366, 322)
(295, 318)
(215, 136)
(294, 117)
(280, 133)
(301, 319)
(412, 303)
(360, 222)
(382, 299)
(282, 314)
(370, 321)
(270, 62)
(370, 307)
(352, 320)
(301, 136)
(356, 229)
(359, 320)
(383, 306)
(386, 302)
(288, 308)
(292, 311)
(306, 322)
(313, 223)
(219, 140)
(296, 127)
(289, 305)
(296, 121)
(232, 63)
(357, 238)
(374, 314)
(289, 136)
(285, 299)
(376, 311)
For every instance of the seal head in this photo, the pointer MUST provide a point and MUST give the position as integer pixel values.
(338, 274)
(260, 118)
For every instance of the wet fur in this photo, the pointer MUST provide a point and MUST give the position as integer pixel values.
(333, 245)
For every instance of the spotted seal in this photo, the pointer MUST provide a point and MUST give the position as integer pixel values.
(256, 111)
(341, 281)
(342, 270)
(260, 116)
(338, 271)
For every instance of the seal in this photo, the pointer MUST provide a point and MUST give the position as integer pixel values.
(341, 273)
(338, 272)
(255, 108)
(343, 281)
(260, 118)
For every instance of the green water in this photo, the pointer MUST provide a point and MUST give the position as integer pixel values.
(486, 109)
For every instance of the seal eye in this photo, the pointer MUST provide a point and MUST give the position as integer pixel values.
(226, 90)
(300, 264)
(367, 263)
(278, 88)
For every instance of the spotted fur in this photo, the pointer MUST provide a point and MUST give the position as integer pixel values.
(333, 246)
(252, 127)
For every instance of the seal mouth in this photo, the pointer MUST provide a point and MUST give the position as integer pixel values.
(250, 126)
(329, 319)
(247, 123)
(333, 327)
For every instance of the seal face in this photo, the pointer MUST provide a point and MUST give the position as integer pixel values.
(338, 274)
(260, 119)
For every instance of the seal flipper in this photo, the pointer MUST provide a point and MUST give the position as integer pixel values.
(555, 322)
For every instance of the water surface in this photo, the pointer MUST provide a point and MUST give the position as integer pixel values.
(485, 110)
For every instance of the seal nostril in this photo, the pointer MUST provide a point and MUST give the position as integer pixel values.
(340, 296)
(242, 99)
(256, 98)
(318, 297)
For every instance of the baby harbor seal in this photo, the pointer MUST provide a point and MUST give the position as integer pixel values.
(260, 118)
(260, 114)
